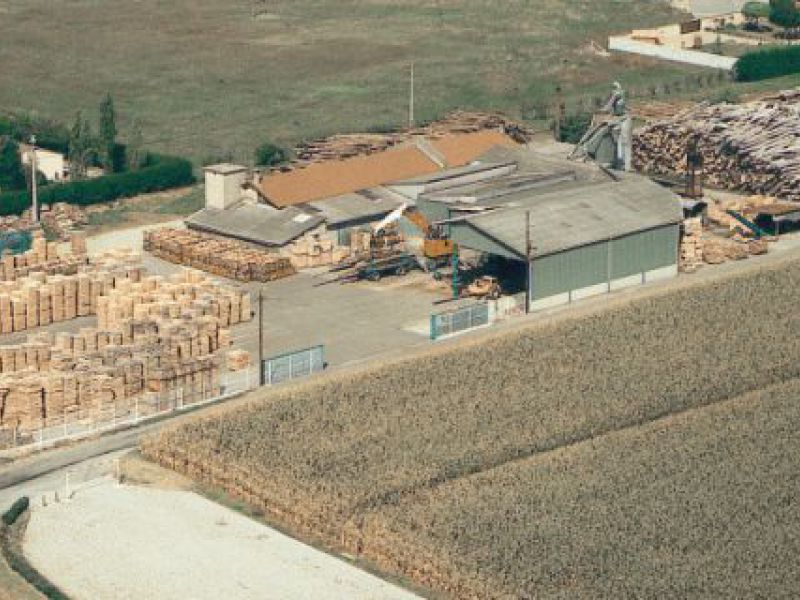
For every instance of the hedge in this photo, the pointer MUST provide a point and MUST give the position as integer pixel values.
(158, 173)
(12, 514)
(765, 64)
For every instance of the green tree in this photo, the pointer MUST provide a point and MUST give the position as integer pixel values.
(269, 155)
(107, 133)
(784, 13)
(82, 146)
(12, 174)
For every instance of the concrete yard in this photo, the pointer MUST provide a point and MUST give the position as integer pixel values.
(114, 541)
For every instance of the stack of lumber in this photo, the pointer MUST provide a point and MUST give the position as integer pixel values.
(60, 218)
(751, 147)
(337, 147)
(157, 339)
(187, 293)
(658, 110)
(223, 257)
(238, 360)
(312, 251)
(41, 299)
(691, 248)
(44, 257)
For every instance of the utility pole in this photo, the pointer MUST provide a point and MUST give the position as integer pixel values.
(261, 337)
(527, 261)
(411, 100)
(34, 198)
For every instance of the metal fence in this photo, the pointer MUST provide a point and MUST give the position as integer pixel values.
(294, 364)
(459, 319)
(126, 413)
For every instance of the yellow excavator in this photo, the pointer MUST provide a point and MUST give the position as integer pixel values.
(436, 248)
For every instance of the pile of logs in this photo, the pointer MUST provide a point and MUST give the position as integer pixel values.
(750, 147)
(157, 339)
(224, 257)
(342, 146)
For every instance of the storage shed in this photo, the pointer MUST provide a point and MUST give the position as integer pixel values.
(585, 240)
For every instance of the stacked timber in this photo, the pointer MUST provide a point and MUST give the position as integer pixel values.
(341, 146)
(45, 257)
(750, 147)
(157, 340)
(691, 248)
(238, 360)
(40, 299)
(223, 257)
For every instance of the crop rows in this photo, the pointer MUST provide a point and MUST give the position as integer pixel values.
(320, 458)
(703, 504)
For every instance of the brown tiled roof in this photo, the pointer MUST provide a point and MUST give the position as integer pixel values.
(335, 178)
(459, 150)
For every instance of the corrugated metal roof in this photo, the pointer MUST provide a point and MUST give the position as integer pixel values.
(582, 215)
(353, 207)
(256, 223)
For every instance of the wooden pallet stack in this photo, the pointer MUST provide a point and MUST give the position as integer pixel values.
(44, 256)
(156, 337)
(40, 299)
(223, 257)
(749, 147)
(691, 248)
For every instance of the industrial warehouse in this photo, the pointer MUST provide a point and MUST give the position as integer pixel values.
(583, 230)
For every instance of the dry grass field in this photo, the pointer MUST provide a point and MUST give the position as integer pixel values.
(207, 78)
(325, 457)
(702, 504)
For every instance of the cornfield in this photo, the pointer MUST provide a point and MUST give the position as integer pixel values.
(325, 459)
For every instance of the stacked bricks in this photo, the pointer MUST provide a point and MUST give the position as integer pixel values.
(223, 257)
(155, 337)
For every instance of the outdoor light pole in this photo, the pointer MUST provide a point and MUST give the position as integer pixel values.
(527, 261)
(34, 198)
(261, 336)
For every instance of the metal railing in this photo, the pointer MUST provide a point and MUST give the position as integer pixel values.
(126, 413)
(459, 319)
(292, 365)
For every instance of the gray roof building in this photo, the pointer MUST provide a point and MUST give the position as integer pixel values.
(256, 223)
(576, 216)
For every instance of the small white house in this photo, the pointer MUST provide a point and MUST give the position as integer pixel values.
(53, 165)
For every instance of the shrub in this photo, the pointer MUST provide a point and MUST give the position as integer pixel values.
(574, 126)
(268, 155)
(765, 64)
(12, 514)
(756, 10)
(158, 173)
(784, 13)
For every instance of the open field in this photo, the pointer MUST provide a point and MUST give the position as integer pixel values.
(320, 458)
(208, 79)
(701, 504)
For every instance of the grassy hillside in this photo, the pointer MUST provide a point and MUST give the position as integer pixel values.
(209, 78)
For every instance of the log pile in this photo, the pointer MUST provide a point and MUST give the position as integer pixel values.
(337, 147)
(749, 147)
(60, 218)
(166, 342)
(224, 257)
